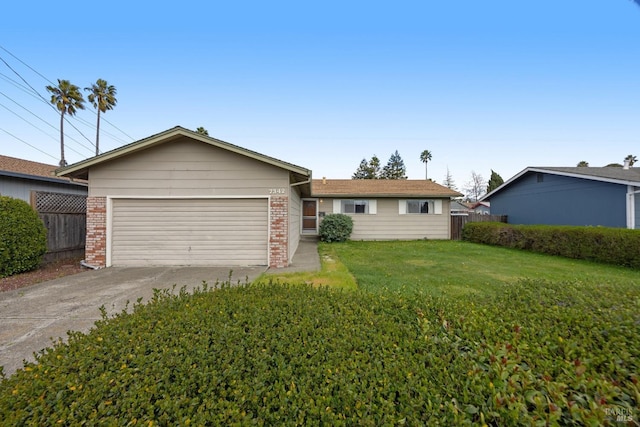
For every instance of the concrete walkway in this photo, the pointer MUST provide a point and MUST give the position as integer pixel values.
(306, 257)
(31, 317)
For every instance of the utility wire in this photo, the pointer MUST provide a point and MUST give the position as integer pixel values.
(38, 93)
(27, 121)
(42, 120)
(25, 142)
(52, 83)
(26, 65)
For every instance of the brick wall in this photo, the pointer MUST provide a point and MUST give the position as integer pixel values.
(96, 246)
(279, 232)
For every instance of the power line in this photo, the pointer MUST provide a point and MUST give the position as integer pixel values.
(48, 103)
(42, 120)
(25, 142)
(21, 78)
(27, 121)
(25, 64)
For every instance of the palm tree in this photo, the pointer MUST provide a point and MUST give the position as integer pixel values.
(202, 131)
(631, 159)
(68, 99)
(583, 164)
(425, 157)
(103, 98)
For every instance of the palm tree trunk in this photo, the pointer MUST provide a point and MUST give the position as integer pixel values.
(426, 174)
(63, 162)
(98, 134)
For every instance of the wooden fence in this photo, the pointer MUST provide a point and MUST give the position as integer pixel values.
(65, 218)
(458, 222)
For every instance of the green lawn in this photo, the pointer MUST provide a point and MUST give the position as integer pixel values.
(456, 268)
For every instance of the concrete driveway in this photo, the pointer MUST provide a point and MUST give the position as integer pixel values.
(30, 317)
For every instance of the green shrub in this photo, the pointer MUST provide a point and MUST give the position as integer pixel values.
(539, 354)
(23, 237)
(617, 246)
(336, 228)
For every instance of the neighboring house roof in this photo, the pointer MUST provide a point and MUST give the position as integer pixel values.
(379, 188)
(80, 169)
(614, 175)
(26, 169)
(481, 204)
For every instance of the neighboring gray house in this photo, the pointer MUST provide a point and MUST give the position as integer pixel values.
(602, 196)
(18, 178)
(183, 198)
(459, 208)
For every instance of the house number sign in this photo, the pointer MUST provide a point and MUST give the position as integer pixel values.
(277, 191)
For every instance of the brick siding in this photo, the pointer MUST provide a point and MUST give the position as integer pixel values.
(96, 249)
(279, 232)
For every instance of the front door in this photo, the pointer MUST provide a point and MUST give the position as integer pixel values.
(309, 216)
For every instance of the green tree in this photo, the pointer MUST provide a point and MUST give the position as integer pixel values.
(631, 159)
(103, 98)
(202, 131)
(368, 170)
(362, 172)
(394, 169)
(68, 100)
(583, 164)
(494, 182)
(425, 157)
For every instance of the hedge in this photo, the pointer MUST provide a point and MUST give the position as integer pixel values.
(294, 355)
(617, 246)
(23, 237)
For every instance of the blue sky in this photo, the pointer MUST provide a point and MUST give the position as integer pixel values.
(488, 85)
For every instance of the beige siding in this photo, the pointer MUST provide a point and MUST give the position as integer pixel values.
(295, 212)
(202, 232)
(187, 168)
(388, 224)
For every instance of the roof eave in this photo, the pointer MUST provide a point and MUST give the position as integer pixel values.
(53, 179)
(80, 169)
(560, 173)
(387, 196)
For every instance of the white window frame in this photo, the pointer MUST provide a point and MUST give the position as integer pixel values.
(435, 206)
(371, 206)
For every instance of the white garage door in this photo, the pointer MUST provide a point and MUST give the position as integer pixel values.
(189, 232)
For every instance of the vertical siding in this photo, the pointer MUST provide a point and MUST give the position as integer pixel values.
(562, 200)
(295, 209)
(187, 168)
(20, 188)
(388, 224)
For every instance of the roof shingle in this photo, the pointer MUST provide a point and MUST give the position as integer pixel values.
(27, 167)
(379, 188)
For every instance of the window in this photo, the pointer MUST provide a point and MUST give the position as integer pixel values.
(354, 206)
(420, 207)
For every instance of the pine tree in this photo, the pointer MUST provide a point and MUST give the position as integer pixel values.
(368, 170)
(394, 169)
(362, 172)
(494, 182)
(448, 181)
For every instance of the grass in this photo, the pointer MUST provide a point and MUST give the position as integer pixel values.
(333, 273)
(463, 268)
